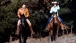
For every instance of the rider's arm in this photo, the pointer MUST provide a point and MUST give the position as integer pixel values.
(58, 9)
(18, 13)
(51, 10)
(27, 13)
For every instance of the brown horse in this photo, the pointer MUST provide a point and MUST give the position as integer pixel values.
(54, 25)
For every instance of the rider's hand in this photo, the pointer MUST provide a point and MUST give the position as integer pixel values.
(19, 18)
(26, 17)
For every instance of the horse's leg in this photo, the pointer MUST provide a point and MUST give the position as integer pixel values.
(55, 34)
(25, 38)
(71, 30)
(21, 35)
(51, 33)
(52, 37)
(63, 32)
(57, 31)
(66, 28)
(21, 38)
(62, 27)
(67, 31)
(10, 38)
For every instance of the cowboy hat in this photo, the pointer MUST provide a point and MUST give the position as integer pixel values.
(54, 2)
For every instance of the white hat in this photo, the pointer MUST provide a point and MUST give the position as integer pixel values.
(54, 2)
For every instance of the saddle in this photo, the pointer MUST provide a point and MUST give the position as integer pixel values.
(55, 16)
(54, 12)
(22, 16)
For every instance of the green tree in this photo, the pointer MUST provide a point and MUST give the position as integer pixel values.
(8, 14)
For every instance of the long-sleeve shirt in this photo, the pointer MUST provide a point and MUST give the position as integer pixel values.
(55, 9)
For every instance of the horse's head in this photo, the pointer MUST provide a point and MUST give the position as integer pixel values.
(23, 21)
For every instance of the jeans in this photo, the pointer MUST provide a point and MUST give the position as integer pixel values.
(51, 18)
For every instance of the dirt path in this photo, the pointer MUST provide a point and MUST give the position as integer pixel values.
(63, 39)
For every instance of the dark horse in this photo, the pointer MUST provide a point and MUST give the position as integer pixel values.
(24, 30)
(54, 25)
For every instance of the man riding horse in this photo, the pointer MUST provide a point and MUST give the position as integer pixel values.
(23, 11)
(53, 10)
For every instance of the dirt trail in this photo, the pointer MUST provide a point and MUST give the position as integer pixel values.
(63, 39)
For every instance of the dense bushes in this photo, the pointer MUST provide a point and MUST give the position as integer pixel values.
(8, 14)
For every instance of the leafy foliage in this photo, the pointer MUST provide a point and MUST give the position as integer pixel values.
(8, 14)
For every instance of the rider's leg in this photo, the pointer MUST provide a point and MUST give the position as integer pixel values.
(18, 29)
(61, 20)
(49, 20)
(62, 25)
(29, 23)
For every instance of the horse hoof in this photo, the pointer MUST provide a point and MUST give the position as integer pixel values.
(51, 40)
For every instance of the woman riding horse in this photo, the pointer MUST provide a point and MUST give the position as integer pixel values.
(55, 9)
(54, 26)
(55, 22)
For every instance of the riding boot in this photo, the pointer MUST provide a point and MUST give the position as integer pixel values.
(32, 32)
(51, 38)
(17, 31)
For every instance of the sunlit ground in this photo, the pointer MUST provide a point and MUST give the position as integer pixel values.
(70, 38)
